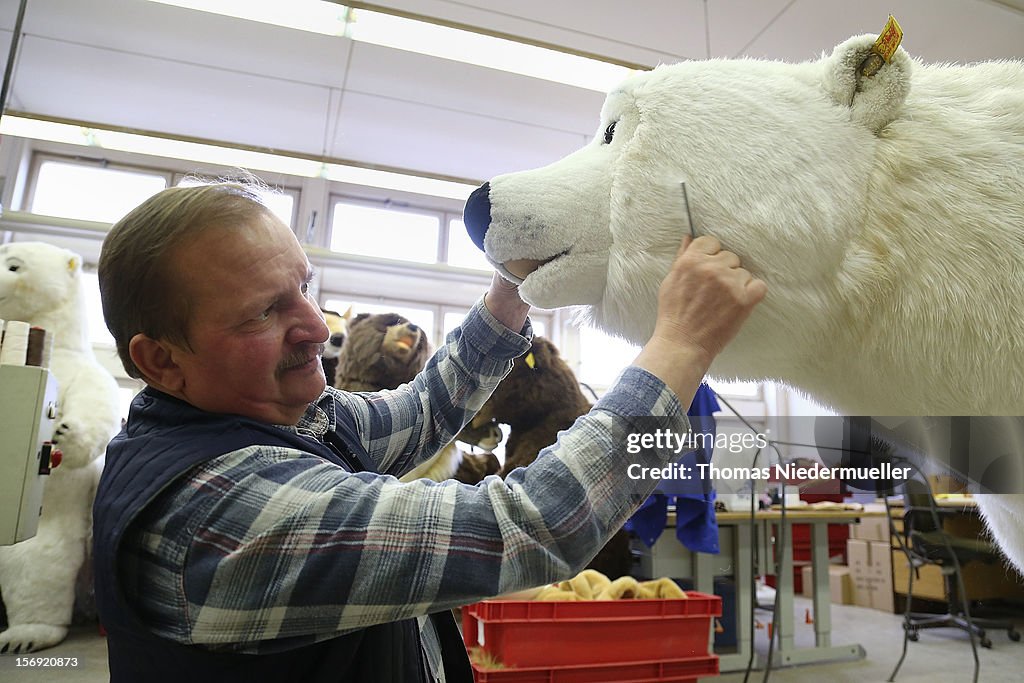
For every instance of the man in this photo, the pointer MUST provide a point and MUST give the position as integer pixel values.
(248, 526)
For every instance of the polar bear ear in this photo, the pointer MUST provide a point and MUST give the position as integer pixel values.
(873, 89)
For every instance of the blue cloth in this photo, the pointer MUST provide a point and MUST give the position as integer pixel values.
(693, 497)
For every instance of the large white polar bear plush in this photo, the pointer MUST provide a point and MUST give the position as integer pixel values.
(41, 284)
(885, 210)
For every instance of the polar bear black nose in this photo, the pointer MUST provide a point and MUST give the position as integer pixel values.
(477, 214)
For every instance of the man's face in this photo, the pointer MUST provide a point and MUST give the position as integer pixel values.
(254, 331)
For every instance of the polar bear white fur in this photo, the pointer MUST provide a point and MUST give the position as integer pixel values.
(885, 212)
(41, 284)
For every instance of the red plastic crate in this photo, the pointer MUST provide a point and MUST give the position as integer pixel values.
(521, 633)
(678, 671)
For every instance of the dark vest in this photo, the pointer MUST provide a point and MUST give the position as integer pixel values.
(164, 438)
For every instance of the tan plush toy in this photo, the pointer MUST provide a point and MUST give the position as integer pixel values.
(337, 323)
(593, 585)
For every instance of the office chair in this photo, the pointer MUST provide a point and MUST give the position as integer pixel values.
(924, 541)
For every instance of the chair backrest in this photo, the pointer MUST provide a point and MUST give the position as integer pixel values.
(919, 509)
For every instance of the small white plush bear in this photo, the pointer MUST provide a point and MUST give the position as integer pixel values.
(884, 207)
(41, 284)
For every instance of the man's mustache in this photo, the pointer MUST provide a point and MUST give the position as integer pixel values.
(301, 356)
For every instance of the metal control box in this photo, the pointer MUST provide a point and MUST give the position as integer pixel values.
(28, 406)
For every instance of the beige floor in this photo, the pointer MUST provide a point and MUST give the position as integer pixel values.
(939, 657)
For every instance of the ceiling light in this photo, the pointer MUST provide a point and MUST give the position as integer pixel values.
(411, 35)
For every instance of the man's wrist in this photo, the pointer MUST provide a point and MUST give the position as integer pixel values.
(505, 304)
(681, 365)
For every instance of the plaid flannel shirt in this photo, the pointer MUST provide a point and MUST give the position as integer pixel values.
(269, 548)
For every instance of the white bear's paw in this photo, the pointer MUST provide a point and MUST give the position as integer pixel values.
(76, 442)
(30, 638)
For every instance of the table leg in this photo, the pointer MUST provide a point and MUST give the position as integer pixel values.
(822, 595)
(784, 622)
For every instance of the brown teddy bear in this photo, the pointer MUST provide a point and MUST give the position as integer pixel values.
(381, 351)
(539, 398)
(385, 350)
(475, 466)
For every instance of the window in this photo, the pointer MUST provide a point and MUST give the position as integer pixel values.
(280, 202)
(461, 250)
(603, 357)
(385, 233)
(125, 396)
(420, 316)
(98, 333)
(91, 192)
(453, 320)
(744, 389)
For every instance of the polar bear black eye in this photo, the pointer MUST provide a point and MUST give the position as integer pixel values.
(13, 268)
(609, 133)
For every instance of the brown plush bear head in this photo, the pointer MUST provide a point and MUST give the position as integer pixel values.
(540, 384)
(381, 351)
(538, 398)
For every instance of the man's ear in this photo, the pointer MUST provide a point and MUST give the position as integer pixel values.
(155, 360)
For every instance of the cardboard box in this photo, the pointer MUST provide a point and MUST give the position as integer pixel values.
(882, 597)
(858, 556)
(840, 583)
(871, 528)
(943, 483)
(982, 581)
(871, 568)
(964, 525)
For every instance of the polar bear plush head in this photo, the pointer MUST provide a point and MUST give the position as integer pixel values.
(41, 284)
(762, 133)
(869, 199)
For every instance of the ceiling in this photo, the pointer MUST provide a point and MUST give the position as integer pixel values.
(159, 68)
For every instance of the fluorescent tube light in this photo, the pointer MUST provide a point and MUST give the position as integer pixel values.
(328, 18)
(422, 37)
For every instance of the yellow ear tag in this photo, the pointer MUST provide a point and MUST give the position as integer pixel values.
(530, 360)
(888, 40)
(883, 49)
